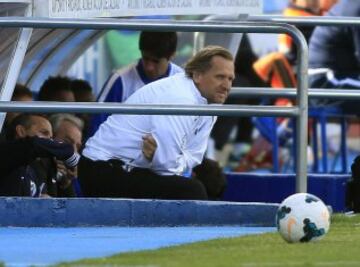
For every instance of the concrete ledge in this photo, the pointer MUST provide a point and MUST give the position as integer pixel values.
(33, 212)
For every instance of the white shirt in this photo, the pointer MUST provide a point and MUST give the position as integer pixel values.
(181, 140)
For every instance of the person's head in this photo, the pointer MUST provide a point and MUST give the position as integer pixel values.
(28, 125)
(56, 89)
(325, 5)
(212, 70)
(21, 93)
(67, 128)
(312, 5)
(157, 49)
(82, 91)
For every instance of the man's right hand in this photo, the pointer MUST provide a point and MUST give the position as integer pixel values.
(149, 146)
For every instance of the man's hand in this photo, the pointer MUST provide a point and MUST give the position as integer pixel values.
(149, 146)
(65, 175)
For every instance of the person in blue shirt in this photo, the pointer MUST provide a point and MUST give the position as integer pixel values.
(334, 60)
(157, 50)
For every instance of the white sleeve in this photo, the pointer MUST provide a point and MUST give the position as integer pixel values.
(197, 145)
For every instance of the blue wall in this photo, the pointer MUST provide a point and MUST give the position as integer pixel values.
(274, 188)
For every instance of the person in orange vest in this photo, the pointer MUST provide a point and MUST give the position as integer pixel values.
(273, 69)
(303, 8)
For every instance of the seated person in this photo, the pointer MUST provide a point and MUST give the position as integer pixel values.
(157, 50)
(21, 93)
(119, 160)
(67, 128)
(83, 92)
(56, 89)
(28, 140)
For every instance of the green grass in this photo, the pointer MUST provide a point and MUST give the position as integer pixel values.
(340, 248)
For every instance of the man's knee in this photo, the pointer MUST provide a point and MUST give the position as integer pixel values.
(198, 190)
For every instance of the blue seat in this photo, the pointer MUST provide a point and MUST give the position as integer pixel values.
(321, 115)
(268, 128)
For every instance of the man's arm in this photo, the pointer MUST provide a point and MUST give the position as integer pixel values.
(196, 147)
(23, 151)
(44, 147)
(181, 143)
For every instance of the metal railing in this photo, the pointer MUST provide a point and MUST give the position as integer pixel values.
(343, 94)
(299, 111)
(350, 94)
(309, 20)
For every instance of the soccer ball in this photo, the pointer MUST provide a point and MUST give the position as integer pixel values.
(302, 217)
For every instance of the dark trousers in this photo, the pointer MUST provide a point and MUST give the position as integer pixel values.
(109, 179)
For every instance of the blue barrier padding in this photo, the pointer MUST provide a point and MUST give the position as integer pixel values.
(34, 212)
(274, 188)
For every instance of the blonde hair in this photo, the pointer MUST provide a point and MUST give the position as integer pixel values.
(201, 62)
